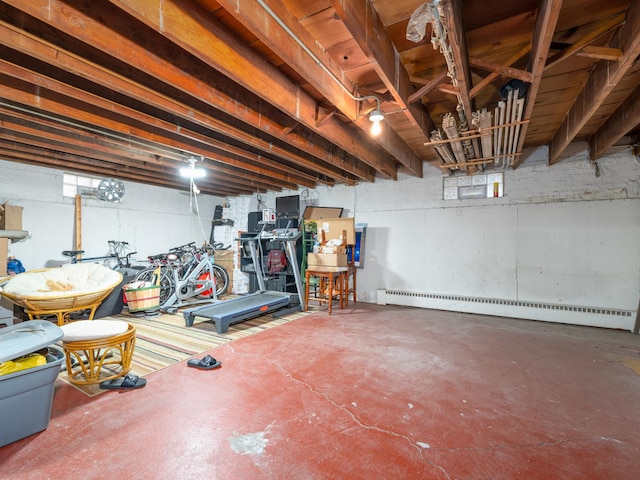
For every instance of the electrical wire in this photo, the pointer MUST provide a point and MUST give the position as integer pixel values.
(193, 202)
(284, 26)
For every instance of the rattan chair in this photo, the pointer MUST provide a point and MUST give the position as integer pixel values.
(86, 284)
(98, 350)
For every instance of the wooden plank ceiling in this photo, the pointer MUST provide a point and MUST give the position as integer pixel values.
(275, 94)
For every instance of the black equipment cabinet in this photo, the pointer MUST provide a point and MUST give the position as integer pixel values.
(283, 281)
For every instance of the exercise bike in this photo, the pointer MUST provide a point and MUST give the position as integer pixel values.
(186, 276)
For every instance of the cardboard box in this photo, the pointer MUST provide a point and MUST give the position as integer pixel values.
(10, 217)
(225, 258)
(333, 228)
(326, 260)
(4, 253)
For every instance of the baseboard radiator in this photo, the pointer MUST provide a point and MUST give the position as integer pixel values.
(548, 312)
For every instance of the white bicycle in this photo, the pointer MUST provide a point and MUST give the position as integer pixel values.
(187, 275)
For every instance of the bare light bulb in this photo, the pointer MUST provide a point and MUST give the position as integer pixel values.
(376, 129)
(192, 171)
(375, 117)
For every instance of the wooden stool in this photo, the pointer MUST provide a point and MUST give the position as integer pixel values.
(328, 278)
(102, 350)
(350, 287)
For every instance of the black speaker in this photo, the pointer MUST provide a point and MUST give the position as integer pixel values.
(253, 225)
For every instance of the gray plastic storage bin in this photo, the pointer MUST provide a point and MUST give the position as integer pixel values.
(26, 396)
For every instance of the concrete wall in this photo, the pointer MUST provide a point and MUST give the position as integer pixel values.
(151, 219)
(560, 235)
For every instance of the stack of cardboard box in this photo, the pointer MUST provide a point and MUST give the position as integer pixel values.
(10, 220)
(332, 251)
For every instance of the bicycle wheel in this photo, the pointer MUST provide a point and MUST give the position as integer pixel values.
(167, 288)
(222, 279)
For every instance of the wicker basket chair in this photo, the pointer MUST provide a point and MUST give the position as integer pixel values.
(62, 290)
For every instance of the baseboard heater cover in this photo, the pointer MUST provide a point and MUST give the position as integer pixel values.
(548, 312)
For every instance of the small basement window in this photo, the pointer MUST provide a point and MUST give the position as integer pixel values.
(73, 185)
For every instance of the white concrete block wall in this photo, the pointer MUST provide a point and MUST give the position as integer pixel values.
(560, 235)
(151, 219)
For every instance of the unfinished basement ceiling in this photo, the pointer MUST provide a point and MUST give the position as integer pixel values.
(276, 94)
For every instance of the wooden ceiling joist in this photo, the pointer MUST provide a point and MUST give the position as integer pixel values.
(601, 53)
(83, 145)
(623, 120)
(221, 148)
(92, 168)
(176, 76)
(601, 82)
(363, 23)
(546, 21)
(276, 94)
(68, 106)
(594, 32)
(495, 74)
(204, 37)
(505, 71)
(427, 87)
(452, 13)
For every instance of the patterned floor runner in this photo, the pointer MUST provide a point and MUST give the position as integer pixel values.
(165, 340)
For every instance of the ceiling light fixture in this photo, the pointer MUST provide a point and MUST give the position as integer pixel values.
(376, 116)
(191, 171)
(375, 128)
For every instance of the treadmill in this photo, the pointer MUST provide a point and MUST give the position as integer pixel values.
(227, 312)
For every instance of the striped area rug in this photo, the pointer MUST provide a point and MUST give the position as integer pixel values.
(166, 340)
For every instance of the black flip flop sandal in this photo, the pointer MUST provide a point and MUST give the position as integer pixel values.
(205, 363)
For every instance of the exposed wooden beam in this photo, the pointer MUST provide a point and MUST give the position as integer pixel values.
(594, 32)
(492, 76)
(452, 12)
(546, 21)
(63, 161)
(58, 57)
(70, 107)
(501, 69)
(449, 89)
(193, 29)
(427, 87)
(600, 53)
(77, 143)
(601, 82)
(114, 82)
(152, 58)
(624, 119)
(363, 22)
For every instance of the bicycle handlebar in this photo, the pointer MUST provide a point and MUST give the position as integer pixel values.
(190, 246)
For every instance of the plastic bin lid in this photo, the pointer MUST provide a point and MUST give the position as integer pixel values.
(27, 337)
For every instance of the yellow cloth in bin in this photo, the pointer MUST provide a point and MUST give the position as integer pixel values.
(22, 363)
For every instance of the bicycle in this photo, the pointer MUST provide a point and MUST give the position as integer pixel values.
(185, 273)
(117, 259)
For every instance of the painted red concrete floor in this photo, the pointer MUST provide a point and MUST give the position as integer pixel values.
(370, 392)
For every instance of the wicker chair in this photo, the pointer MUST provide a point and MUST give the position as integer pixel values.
(62, 290)
(98, 350)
